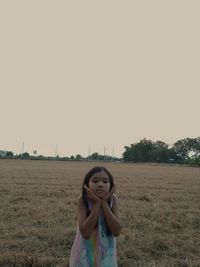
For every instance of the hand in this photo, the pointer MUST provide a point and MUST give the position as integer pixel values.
(109, 194)
(91, 195)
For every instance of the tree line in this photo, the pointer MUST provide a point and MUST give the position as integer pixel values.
(95, 156)
(185, 151)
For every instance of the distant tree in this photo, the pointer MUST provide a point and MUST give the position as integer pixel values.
(97, 156)
(161, 151)
(182, 148)
(195, 146)
(9, 154)
(194, 160)
(128, 155)
(149, 151)
(94, 156)
(101, 157)
(25, 155)
(172, 155)
(187, 145)
(78, 157)
(140, 152)
(72, 157)
(161, 145)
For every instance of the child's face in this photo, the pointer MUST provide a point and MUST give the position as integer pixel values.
(99, 184)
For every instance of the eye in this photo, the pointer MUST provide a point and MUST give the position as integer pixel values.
(105, 181)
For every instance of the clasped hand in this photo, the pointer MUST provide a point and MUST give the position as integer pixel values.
(96, 199)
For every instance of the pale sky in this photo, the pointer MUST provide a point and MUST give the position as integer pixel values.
(98, 73)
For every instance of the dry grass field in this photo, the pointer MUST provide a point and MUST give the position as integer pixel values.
(159, 206)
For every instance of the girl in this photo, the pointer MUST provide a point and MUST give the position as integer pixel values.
(98, 222)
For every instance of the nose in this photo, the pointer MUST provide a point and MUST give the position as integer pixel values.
(100, 184)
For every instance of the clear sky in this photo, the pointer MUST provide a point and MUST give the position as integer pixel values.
(98, 73)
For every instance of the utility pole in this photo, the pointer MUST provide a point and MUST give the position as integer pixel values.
(56, 152)
(89, 151)
(22, 148)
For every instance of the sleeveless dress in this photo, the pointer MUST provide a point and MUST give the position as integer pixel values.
(98, 251)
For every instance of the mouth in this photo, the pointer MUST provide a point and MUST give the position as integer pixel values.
(100, 191)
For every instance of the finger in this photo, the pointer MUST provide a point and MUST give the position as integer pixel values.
(109, 194)
(89, 192)
(85, 186)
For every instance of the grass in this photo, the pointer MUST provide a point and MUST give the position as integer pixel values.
(159, 207)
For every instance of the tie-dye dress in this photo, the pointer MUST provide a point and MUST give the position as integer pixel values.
(98, 251)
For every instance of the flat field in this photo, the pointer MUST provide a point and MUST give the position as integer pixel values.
(159, 207)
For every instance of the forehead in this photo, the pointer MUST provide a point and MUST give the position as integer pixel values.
(100, 175)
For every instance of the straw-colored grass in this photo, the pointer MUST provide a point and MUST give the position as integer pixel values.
(159, 207)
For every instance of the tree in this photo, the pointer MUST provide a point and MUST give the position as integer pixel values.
(149, 151)
(187, 145)
(78, 157)
(94, 156)
(25, 155)
(195, 146)
(141, 152)
(161, 151)
(9, 154)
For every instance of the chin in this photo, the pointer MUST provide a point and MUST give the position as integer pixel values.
(101, 196)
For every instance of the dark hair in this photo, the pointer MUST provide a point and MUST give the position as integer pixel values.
(86, 182)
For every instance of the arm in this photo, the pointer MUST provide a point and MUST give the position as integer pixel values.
(111, 216)
(87, 224)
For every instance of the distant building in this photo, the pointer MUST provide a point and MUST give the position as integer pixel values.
(3, 153)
